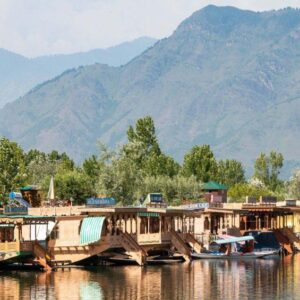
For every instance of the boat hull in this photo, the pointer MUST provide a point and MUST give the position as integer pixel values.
(234, 256)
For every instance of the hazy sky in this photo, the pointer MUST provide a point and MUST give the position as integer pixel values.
(38, 27)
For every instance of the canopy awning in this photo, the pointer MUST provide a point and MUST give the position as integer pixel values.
(234, 240)
(7, 225)
(90, 231)
(148, 214)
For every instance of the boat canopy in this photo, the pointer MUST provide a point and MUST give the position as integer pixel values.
(234, 240)
(90, 231)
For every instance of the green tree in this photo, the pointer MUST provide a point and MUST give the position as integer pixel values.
(40, 166)
(144, 133)
(174, 189)
(200, 162)
(92, 168)
(12, 166)
(162, 164)
(292, 186)
(239, 191)
(267, 169)
(144, 151)
(73, 184)
(119, 179)
(230, 172)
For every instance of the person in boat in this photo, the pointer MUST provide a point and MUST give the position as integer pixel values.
(228, 250)
(248, 247)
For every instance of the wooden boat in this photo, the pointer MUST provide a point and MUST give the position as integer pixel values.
(227, 253)
(233, 255)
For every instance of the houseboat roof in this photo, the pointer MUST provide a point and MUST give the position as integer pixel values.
(137, 209)
(21, 219)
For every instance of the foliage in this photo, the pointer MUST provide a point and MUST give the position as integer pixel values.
(41, 166)
(200, 162)
(230, 172)
(239, 191)
(120, 179)
(293, 185)
(143, 150)
(12, 166)
(267, 169)
(73, 184)
(174, 189)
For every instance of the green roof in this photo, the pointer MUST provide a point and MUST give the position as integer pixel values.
(29, 188)
(212, 185)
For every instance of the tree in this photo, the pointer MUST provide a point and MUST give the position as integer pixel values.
(200, 162)
(40, 166)
(174, 189)
(73, 184)
(239, 191)
(120, 179)
(92, 168)
(143, 150)
(292, 186)
(144, 133)
(12, 166)
(162, 164)
(267, 169)
(230, 172)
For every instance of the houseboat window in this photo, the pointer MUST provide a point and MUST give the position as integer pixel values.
(154, 225)
(144, 225)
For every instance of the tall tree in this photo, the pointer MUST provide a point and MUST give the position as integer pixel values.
(267, 169)
(144, 133)
(200, 162)
(12, 166)
(144, 151)
(230, 172)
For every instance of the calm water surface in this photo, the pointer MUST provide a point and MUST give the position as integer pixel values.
(257, 279)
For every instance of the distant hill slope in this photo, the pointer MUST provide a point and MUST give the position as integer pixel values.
(226, 77)
(19, 74)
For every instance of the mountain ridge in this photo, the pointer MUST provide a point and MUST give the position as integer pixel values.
(20, 74)
(226, 83)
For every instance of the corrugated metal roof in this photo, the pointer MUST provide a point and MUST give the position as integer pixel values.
(90, 231)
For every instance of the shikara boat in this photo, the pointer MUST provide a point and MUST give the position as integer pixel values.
(228, 250)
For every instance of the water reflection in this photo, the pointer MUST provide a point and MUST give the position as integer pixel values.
(259, 279)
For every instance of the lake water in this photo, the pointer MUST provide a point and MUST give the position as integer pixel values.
(256, 279)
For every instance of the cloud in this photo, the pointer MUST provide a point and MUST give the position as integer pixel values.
(38, 27)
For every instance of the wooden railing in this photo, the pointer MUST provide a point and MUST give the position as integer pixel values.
(27, 246)
(10, 247)
(149, 238)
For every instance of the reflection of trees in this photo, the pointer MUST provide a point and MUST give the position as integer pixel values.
(203, 279)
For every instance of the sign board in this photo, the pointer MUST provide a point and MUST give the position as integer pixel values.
(100, 202)
(200, 205)
(15, 210)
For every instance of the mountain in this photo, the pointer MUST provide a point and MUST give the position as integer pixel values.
(226, 77)
(19, 74)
